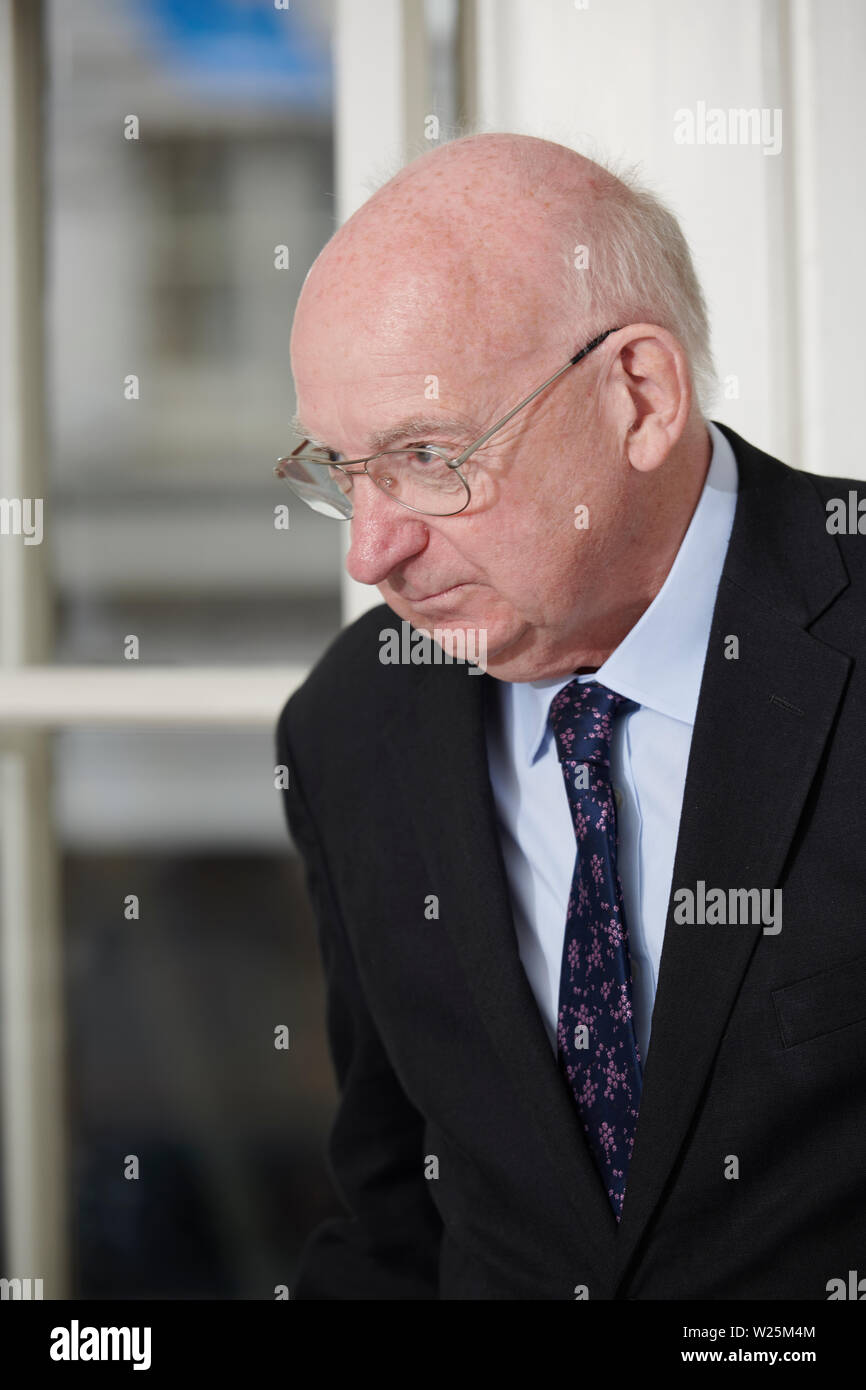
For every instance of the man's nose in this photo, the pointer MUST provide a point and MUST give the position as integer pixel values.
(383, 534)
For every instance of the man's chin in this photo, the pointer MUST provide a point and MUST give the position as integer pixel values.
(507, 648)
(516, 655)
(463, 634)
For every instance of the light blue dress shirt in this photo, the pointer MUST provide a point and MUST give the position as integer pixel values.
(659, 665)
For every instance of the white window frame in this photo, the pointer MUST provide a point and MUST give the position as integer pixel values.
(380, 56)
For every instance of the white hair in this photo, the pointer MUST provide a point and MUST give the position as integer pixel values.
(638, 267)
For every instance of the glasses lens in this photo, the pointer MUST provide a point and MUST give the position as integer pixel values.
(421, 479)
(323, 488)
(418, 478)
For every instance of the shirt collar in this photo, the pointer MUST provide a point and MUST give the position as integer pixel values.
(659, 662)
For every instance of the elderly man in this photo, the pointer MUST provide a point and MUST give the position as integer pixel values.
(589, 907)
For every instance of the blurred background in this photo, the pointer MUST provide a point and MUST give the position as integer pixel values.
(261, 125)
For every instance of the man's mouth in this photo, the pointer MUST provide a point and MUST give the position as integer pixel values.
(439, 594)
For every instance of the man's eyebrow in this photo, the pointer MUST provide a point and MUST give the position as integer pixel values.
(414, 427)
(300, 428)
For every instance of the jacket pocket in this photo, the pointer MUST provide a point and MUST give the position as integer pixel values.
(823, 1003)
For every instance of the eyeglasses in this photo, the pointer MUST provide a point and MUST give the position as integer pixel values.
(422, 477)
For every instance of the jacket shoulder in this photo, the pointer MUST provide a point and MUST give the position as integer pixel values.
(349, 684)
(813, 498)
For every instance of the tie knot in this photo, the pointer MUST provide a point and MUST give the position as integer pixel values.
(581, 716)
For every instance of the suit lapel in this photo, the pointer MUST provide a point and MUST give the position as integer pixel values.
(441, 747)
(761, 726)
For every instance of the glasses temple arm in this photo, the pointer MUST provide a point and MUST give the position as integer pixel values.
(455, 463)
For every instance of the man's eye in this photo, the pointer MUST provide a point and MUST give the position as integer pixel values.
(325, 455)
(424, 454)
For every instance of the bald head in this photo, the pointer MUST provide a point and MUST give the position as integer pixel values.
(474, 232)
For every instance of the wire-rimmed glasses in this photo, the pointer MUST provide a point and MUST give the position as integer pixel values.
(422, 477)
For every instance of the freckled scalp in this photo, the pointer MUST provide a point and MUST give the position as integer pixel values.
(459, 236)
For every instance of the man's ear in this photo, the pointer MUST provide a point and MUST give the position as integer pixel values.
(656, 395)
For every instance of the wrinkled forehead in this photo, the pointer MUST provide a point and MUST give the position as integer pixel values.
(403, 318)
(367, 305)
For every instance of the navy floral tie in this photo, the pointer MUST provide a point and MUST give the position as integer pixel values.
(596, 1041)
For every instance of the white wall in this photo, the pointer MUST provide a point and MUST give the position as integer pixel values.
(830, 99)
(776, 238)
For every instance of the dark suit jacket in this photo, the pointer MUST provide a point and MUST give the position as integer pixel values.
(758, 1046)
